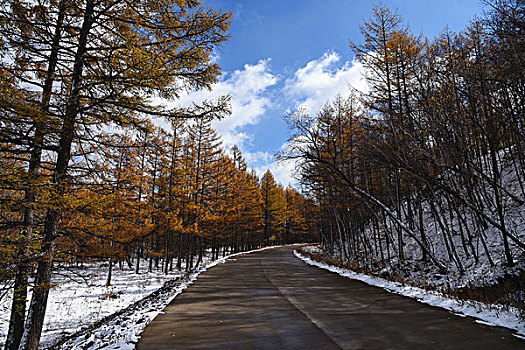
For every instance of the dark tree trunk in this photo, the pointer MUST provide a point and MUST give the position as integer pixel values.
(110, 272)
(35, 319)
(137, 264)
(18, 307)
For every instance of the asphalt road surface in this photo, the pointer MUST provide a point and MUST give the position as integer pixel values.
(272, 300)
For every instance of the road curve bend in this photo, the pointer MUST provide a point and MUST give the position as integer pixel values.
(272, 300)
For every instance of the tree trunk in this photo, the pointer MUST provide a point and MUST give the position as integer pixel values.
(499, 206)
(137, 265)
(18, 307)
(35, 318)
(110, 272)
(37, 309)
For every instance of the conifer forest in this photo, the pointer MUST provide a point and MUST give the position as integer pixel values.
(419, 178)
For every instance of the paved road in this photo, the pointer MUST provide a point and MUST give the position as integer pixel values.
(272, 300)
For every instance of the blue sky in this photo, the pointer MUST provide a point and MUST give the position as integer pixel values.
(290, 52)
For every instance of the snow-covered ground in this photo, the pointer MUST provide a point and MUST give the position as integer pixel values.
(80, 299)
(471, 253)
(492, 315)
(476, 273)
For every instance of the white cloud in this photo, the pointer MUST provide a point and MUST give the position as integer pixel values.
(282, 171)
(311, 86)
(321, 80)
(247, 88)
(262, 161)
(258, 157)
(251, 87)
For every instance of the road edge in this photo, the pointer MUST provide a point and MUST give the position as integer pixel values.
(482, 313)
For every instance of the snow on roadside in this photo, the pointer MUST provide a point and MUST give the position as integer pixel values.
(123, 331)
(493, 315)
(79, 297)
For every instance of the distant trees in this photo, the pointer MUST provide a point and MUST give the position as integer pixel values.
(270, 204)
(436, 144)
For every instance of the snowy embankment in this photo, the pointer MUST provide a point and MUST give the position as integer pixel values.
(464, 253)
(83, 313)
(492, 315)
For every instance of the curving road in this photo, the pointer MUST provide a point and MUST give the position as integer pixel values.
(272, 300)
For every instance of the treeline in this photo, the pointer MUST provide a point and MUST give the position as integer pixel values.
(429, 163)
(85, 174)
(170, 197)
(167, 197)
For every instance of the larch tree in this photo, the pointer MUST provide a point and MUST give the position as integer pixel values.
(204, 153)
(270, 205)
(91, 63)
(429, 151)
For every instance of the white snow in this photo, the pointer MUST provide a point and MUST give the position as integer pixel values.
(481, 266)
(79, 297)
(493, 315)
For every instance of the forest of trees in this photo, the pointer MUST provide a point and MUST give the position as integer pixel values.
(95, 164)
(434, 148)
(87, 174)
